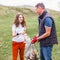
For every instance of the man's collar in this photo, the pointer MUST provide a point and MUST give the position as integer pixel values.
(42, 15)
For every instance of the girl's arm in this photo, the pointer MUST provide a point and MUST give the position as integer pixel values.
(14, 34)
(13, 31)
(24, 31)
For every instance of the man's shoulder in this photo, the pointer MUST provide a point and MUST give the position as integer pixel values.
(48, 22)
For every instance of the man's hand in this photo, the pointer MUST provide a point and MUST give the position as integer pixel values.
(34, 40)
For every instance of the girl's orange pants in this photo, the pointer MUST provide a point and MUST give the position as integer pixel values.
(18, 47)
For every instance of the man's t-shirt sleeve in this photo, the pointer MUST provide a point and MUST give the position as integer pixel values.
(48, 22)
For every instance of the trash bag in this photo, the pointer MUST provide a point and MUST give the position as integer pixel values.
(30, 49)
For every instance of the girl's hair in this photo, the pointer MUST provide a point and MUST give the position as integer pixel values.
(16, 21)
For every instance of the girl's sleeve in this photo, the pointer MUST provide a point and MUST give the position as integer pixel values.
(13, 29)
(25, 28)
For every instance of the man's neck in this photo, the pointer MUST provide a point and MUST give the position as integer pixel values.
(42, 14)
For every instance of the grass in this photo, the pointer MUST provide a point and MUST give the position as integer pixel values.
(7, 15)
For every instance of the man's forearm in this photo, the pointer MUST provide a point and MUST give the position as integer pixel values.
(43, 36)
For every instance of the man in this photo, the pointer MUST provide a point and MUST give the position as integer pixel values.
(47, 33)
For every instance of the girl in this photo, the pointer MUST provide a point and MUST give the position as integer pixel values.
(18, 41)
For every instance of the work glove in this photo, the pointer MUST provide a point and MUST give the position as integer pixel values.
(34, 40)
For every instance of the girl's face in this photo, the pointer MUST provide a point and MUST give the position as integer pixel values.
(20, 18)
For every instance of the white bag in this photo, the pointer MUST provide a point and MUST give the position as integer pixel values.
(29, 48)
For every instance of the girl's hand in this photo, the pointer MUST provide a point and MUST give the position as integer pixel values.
(23, 33)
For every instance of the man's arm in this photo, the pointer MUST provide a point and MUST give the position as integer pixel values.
(46, 34)
(48, 26)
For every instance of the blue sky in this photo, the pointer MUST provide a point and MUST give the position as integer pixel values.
(51, 4)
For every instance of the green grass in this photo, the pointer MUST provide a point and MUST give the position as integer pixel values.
(7, 15)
